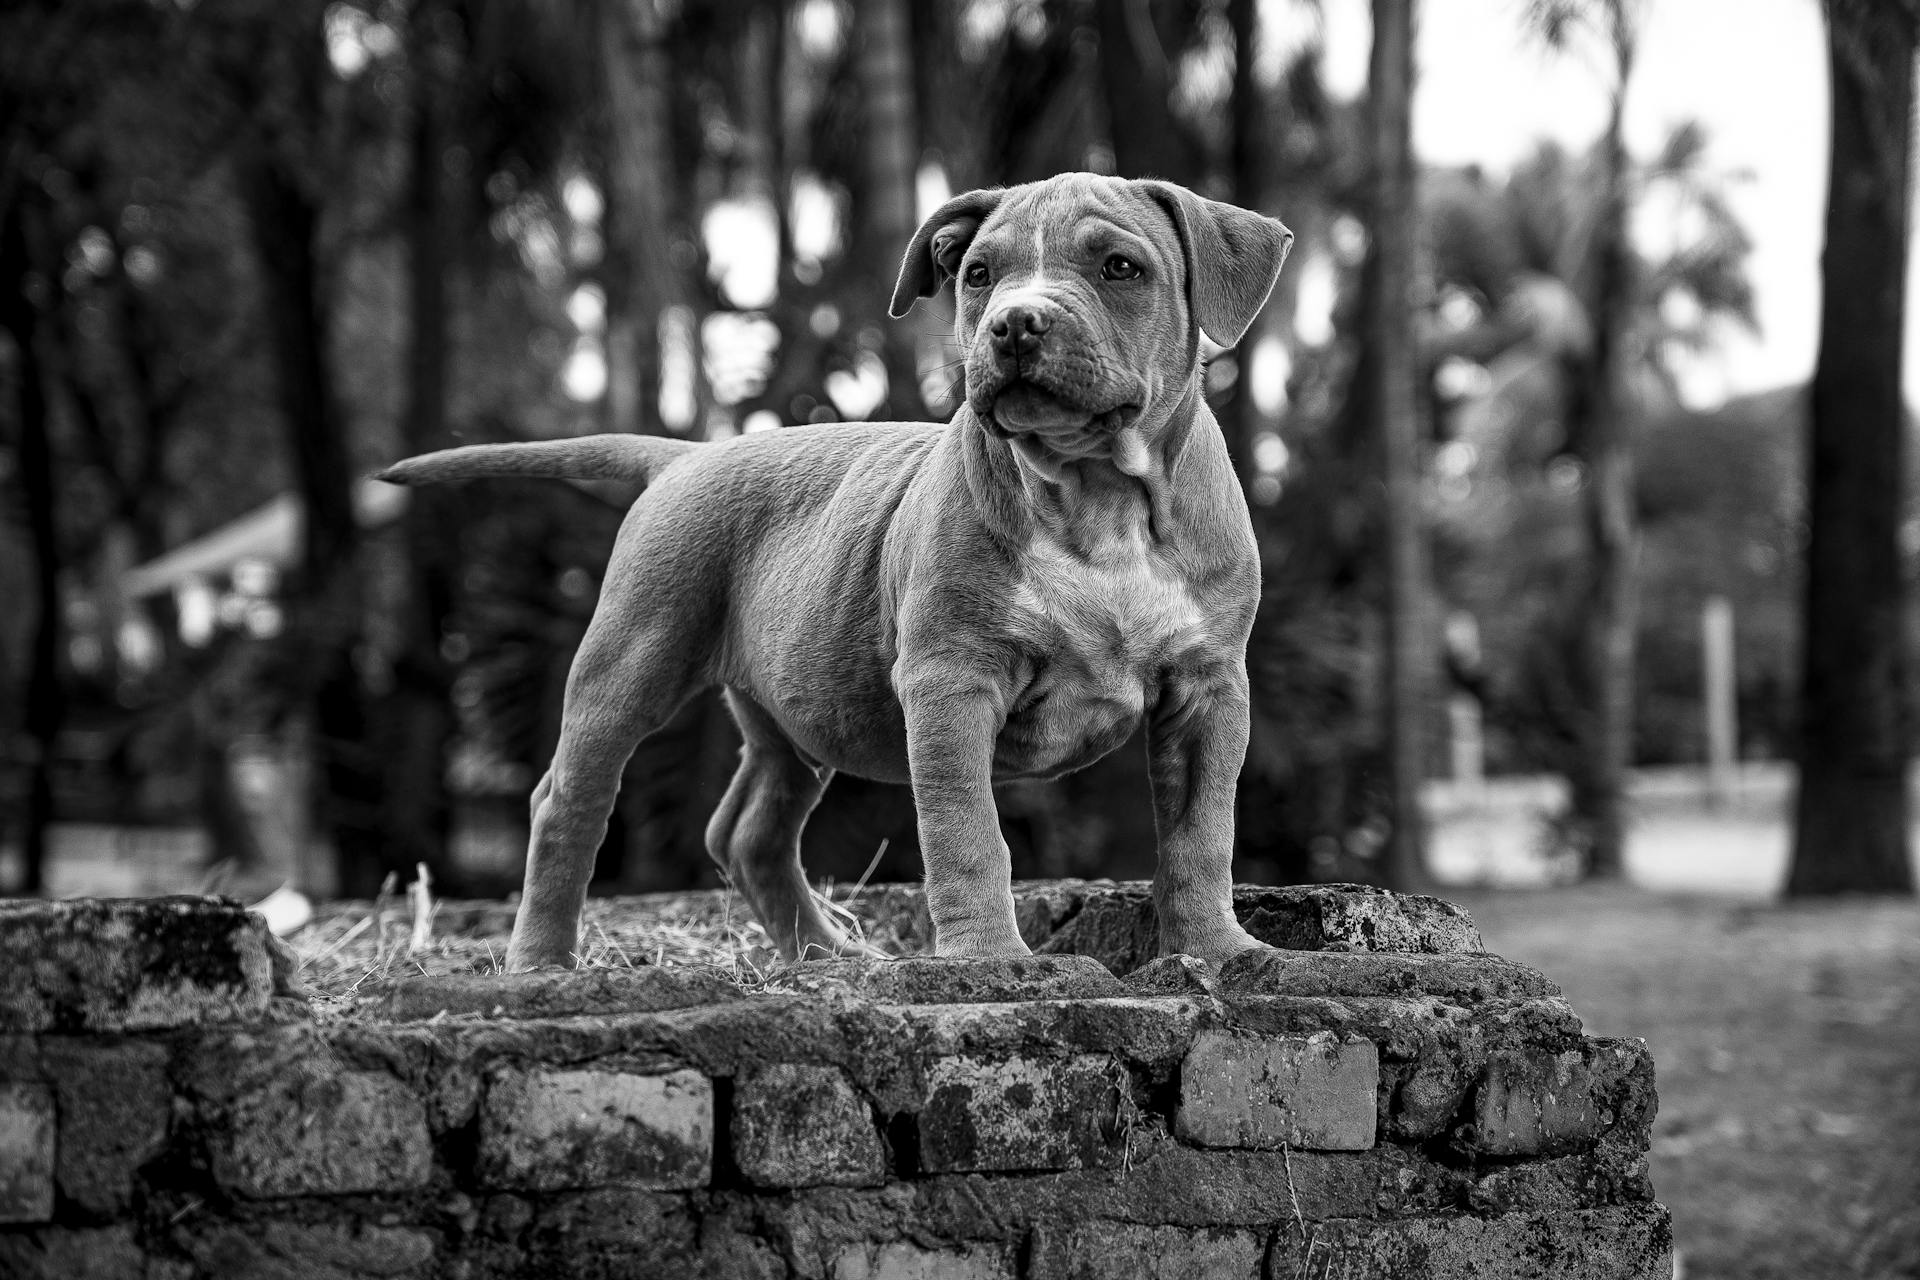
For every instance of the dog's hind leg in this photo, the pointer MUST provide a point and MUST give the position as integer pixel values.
(624, 684)
(755, 836)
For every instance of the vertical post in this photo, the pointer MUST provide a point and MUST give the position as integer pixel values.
(1717, 673)
(1467, 745)
(1392, 341)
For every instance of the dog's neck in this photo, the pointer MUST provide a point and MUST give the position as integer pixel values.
(1087, 505)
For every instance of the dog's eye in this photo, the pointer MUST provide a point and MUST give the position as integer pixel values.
(1119, 266)
(976, 276)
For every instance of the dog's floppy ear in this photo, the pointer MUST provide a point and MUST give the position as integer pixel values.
(933, 256)
(1233, 258)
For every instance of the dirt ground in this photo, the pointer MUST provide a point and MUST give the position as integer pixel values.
(1787, 1041)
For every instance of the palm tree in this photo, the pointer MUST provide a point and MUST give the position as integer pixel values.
(1521, 252)
(1601, 439)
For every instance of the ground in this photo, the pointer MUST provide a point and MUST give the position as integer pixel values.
(1787, 1040)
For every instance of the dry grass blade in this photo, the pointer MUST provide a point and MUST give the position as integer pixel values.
(420, 898)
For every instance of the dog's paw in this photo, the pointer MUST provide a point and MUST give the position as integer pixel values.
(1219, 948)
(964, 950)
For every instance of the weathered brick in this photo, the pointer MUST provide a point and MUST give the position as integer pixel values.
(1024, 1113)
(624, 1233)
(317, 1130)
(1623, 1085)
(1334, 973)
(550, 1130)
(1149, 1030)
(133, 964)
(1316, 1092)
(1169, 1184)
(932, 980)
(1173, 976)
(1354, 917)
(796, 1125)
(1127, 1251)
(1612, 1173)
(64, 1253)
(275, 1250)
(1632, 1242)
(115, 1105)
(26, 1153)
(902, 1261)
(1534, 1104)
(1116, 924)
(548, 994)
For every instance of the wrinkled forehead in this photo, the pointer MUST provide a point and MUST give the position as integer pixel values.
(1076, 215)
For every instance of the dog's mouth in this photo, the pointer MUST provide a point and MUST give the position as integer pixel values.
(1023, 406)
(1026, 408)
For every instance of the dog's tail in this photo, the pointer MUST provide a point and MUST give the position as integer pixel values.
(618, 456)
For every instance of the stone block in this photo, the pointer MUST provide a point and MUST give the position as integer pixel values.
(550, 994)
(1612, 1173)
(115, 1105)
(1004, 1114)
(931, 980)
(1624, 1243)
(1534, 1104)
(1315, 1092)
(902, 1261)
(1167, 1183)
(796, 1125)
(547, 1130)
(1354, 917)
(279, 1250)
(66, 1253)
(1127, 1251)
(1115, 923)
(1146, 1030)
(1462, 977)
(625, 1233)
(112, 964)
(315, 1129)
(1623, 1084)
(26, 1153)
(1173, 976)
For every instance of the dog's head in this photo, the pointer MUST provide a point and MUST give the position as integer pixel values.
(1080, 302)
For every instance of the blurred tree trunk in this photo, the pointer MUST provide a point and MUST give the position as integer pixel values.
(325, 627)
(884, 63)
(1391, 339)
(1602, 437)
(1138, 79)
(1248, 171)
(639, 275)
(45, 701)
(418, 716)
(1850, 817)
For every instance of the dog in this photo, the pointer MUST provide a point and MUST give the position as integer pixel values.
(1006, 595)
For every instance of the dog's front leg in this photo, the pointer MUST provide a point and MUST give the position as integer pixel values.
(1196, 743)
(953, 717)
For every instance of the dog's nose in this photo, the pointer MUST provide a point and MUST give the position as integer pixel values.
(1017, 330)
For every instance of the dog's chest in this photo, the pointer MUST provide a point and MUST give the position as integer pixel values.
(1120, 605)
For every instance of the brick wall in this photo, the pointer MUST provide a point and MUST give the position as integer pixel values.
(1382, 1100)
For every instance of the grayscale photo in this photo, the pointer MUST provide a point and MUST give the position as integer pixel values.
(959, 640)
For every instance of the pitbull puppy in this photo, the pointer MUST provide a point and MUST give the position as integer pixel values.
(1004, 596)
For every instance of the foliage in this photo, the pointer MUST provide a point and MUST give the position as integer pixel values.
(599, 168)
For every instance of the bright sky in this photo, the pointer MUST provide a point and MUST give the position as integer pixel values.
(1752, 71)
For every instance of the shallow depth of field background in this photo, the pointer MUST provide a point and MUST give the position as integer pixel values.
(252, 251)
